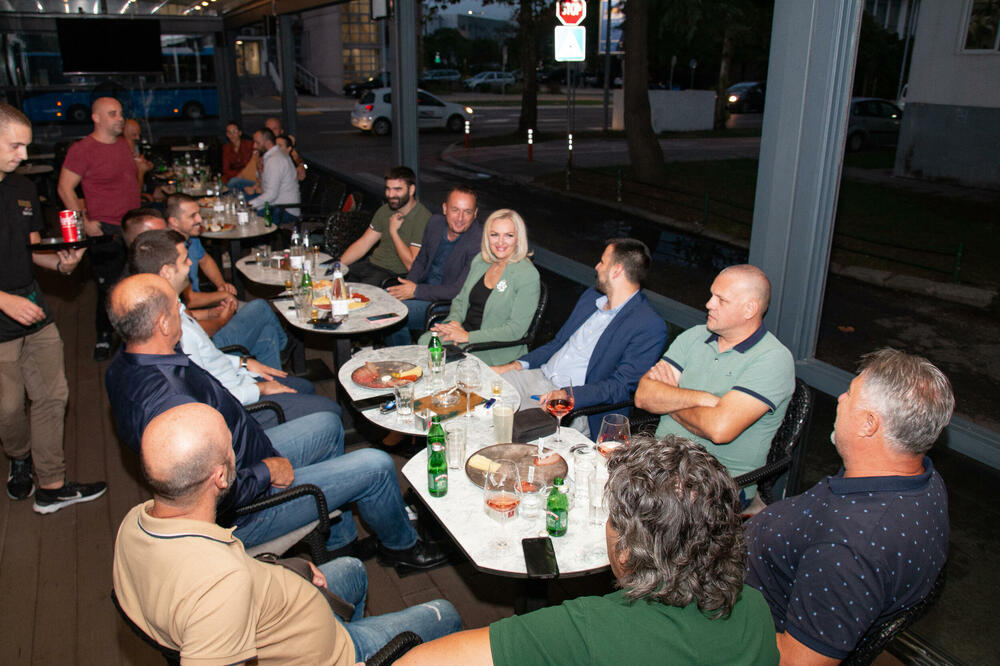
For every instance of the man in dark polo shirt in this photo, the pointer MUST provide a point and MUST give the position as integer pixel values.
(869, 541)
(31, 351)
(111, 177)
(450, 242)
(395, 232)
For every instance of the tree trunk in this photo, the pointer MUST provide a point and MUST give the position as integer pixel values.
(721, 110)
(529, 62)
(644, 149)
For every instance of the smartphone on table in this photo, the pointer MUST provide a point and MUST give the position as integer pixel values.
(540, 558)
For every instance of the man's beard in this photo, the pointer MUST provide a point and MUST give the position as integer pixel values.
(396, 204)
(601, 285)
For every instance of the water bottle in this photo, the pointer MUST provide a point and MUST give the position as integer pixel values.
(437, 464)
(295, 253)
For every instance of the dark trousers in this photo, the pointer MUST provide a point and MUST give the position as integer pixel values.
(107, 262)
(368, 273)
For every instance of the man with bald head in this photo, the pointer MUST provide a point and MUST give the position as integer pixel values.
(150, 376)
(188, 583)
(725, 384)
(111, 177)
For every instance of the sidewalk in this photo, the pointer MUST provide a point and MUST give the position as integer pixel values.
(511, 163)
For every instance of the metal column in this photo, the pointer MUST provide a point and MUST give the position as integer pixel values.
(809, 79)
(286, 45)
(404, 85)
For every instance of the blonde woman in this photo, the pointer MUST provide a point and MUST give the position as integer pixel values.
(500, 293)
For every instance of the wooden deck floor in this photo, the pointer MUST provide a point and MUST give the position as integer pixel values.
(55, 570)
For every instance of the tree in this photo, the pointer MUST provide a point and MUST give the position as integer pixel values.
(644, 149)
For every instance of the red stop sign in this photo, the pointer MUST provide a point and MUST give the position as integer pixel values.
(571, 12)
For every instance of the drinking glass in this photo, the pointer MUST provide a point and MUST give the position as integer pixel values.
(437, 367)
(560, 402)
(496, 387)
(404, 400)
(303, 303)
(531, 489)
(503, 419)
(614, 433)
(501, 499)
(597, 479)
(583, 466)
(454, 445)
(468, 380)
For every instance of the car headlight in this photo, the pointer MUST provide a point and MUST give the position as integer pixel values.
(469, 110)
(733, 98)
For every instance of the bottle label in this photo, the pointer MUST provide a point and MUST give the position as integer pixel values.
(296, 260)
(243, 217)
(556, 521)
(437, 483)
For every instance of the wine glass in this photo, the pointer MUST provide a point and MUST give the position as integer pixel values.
(560, 402)
(468, 380)
(500, 492)
(614, 433)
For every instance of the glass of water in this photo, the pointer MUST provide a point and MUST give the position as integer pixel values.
(404, 400)
(455, 445)
(532, 490)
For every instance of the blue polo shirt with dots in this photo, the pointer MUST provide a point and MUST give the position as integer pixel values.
(836, 559)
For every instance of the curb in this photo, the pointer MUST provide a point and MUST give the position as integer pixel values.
(977, 297)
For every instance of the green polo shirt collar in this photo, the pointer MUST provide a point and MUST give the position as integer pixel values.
(747, 344)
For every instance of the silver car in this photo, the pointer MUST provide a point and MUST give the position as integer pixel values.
(873, 123)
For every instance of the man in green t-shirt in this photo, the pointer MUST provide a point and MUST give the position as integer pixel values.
(676, 547)
(395, 232)
(725, 384)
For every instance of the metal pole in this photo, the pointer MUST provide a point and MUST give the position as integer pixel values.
(404, 86)
(287, 64)
(607, 69)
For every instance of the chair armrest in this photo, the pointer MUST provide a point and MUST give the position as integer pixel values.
(597, 409)
(317, 545)
(394, 649)
(767, 471)
(495, 344)
(436, 311)
(261, 405)
(239, 349)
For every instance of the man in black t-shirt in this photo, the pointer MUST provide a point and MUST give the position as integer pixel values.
(31, 351)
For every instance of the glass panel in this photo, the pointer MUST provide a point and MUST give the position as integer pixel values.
(983, 22)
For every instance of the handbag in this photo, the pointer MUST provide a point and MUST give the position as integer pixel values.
(530, 424)
(341, 608)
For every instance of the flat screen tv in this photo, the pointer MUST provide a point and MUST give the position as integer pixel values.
(109, 46)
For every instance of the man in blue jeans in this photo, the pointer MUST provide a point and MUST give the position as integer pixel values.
(253, 325)
(188, 584)
(149, 376)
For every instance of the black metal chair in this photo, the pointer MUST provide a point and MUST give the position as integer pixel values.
(783, 455)
(438, 310)
(879, 636)
(388, 654)
(341, 229)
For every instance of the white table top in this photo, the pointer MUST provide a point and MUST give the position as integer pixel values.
(357, 321)
(481, 422)
(255, 229)
(255, 273)
(582, 550)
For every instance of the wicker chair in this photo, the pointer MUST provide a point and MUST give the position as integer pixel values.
(341, 229)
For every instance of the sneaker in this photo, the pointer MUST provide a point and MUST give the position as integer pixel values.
(102, 350)
(50, 501)
(20, 482)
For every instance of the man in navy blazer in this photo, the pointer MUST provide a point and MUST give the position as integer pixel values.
(609, 341)
(450, 242)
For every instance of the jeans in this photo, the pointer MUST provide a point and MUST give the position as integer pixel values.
(237, 183)
(314, 445)
(295, 405)
(417, 314)
(346, 577)
(255, 327)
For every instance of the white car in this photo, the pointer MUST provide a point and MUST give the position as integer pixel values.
(373, 112)
(489, 80)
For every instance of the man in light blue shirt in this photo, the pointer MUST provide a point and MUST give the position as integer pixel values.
(611, 338)
(163, 252)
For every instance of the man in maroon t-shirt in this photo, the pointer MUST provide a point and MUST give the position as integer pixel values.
(111, 177)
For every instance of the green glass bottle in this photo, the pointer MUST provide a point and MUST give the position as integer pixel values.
(557, 509)
(436, 351)
(267, 214)
(437, 465)
(307, 280)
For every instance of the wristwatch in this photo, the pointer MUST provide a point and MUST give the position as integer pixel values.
(243, 362)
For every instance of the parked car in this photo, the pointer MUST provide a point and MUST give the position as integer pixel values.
(440, 76)
(745, 97)
(488, 80)
(373, 112)
(358, 88)
(872, 122)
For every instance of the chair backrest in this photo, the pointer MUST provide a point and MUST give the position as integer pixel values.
(536, 320)
(783, 444)
(170, 655)
(342, 229)
(878, 637)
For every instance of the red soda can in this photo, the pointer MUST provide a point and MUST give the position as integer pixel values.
(67, 221)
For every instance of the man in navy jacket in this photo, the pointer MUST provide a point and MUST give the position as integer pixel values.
(609, 341)
(450, 242)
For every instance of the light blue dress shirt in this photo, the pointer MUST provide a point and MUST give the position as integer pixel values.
(196, 344)
(573, 358)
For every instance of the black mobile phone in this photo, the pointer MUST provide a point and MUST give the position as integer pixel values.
(380, 317)
(540, 558)
(326, 324)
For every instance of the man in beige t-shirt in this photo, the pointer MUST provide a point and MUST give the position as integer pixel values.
(188, 583)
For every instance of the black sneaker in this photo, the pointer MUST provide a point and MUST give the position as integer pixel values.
(20, 482)
(50, 501)
(102, 350)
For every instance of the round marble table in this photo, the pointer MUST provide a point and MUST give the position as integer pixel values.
(253, 271)
(236, 236)
(481, 421)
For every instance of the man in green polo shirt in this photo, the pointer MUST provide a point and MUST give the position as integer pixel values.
(682, 600)
(725, 384)
(395, 232)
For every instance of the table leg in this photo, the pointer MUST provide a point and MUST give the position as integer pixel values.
(235, 252)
